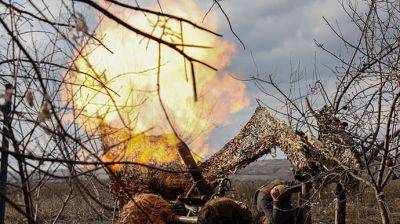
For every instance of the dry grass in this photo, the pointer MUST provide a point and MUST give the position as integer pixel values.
(361, 204)
(78, 209)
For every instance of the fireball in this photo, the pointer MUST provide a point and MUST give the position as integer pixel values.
(119, 88)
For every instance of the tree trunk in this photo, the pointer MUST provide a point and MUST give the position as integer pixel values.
(340, 206)
(305, 202)
(6, 111)
(380, 197)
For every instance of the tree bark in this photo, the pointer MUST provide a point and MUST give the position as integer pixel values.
(340, 205)
(382, 207)
(305, 202)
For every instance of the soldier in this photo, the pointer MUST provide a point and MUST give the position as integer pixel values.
(273, 201)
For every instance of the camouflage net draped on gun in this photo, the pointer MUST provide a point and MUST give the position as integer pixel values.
(258, 137)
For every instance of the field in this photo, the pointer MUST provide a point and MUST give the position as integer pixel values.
(360, 204)
(79, 209)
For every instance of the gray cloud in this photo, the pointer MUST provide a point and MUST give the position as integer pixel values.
(277, 32)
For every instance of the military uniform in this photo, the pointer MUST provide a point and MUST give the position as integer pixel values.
(280, 210)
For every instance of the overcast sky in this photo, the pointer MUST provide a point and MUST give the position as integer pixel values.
(279, 32)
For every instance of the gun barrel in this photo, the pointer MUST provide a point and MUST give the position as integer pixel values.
(186, 219)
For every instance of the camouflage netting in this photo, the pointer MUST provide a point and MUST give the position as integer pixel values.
(128, 182)
(147, 209)
(338, 145)
(258, 137)
(262, 133)
(224, 210)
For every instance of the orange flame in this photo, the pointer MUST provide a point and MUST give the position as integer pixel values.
(115, 91)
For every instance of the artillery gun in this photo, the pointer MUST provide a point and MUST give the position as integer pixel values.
(192, 196)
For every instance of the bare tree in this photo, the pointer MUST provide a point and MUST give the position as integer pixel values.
(366, 97)
(40, 44)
